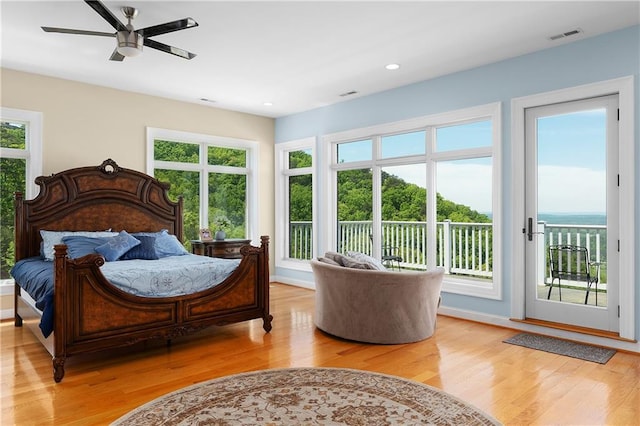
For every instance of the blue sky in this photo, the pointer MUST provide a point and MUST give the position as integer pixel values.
(572, 163)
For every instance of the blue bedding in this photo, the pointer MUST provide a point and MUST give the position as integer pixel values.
(169, 276)
(35, 276)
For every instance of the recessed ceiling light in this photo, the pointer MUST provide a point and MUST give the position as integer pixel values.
(349, 93)
(392, 66)
(268, 104)
(207, 100)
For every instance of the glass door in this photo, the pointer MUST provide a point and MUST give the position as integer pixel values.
(571, 224)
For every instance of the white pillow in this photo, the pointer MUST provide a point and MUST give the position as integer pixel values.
(364, 258)
(51, 238)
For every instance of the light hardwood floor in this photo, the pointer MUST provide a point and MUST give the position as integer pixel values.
(468, 360)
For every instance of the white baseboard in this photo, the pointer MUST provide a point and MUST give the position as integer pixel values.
(7, 289)
(520, 326)
(289, 281)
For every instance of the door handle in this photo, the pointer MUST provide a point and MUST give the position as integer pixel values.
(530, 229)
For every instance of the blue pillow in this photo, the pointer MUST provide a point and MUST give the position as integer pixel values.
(166, 244)
(51, 238)
(145, 250)
(78, 246)
(117, 246)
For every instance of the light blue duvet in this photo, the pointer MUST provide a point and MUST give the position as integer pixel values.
(170, 276)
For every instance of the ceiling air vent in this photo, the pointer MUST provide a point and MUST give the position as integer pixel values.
(567, 34)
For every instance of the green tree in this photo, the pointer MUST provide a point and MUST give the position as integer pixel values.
(12, 179)
(458, 212)
(300, 198)
(186, 185)
(227, 197)
(176, 151)
(355, 191)
(300, 159)
(401, 201)
(300, 188)
(227, 192)
(226, 156)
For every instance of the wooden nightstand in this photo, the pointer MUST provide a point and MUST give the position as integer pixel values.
(228, 249)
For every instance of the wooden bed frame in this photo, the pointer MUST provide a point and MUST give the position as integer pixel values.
(90, 313)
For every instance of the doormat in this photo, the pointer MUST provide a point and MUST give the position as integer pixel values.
(562, 347)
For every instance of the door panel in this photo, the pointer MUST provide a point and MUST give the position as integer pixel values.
(571, 193)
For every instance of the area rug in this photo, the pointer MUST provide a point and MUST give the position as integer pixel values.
(562, 347)
(307, 396)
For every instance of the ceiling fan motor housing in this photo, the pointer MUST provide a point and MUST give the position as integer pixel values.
(129, 43)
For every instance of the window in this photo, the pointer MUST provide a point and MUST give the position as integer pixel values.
(215, 176)
(354, 151)
(423, 190)
(403, 144)
(20, 164)
(295, 215)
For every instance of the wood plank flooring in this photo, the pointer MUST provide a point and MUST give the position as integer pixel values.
(518, 386)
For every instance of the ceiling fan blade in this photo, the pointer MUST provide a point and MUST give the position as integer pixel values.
(106, 14)
(169, 49)
(72, 31)
(168, 27)
(115, 56)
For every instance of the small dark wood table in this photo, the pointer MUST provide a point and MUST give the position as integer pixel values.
(228, 249)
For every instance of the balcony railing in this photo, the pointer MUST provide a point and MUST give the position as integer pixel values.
(462, 248)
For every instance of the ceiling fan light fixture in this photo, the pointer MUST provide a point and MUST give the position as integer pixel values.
(129, 43)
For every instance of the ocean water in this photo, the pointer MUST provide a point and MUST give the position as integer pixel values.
(570, 218)
(573, 218)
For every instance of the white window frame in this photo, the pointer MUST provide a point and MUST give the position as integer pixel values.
(32, 154)
(283, 172)
(492, 112)
(204, 141)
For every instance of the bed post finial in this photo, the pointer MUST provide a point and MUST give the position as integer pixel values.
(109, 167)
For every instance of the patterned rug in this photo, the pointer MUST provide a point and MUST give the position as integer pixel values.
(307, 396)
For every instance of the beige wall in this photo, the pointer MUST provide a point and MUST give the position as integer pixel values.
(85, 124)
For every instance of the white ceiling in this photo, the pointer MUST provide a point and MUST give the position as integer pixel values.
(299, 55)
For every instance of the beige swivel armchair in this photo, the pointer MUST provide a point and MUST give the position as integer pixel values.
(376, 306)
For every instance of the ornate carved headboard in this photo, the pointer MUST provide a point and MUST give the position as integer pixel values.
(95, 199)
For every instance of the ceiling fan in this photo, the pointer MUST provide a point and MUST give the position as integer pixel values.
(130, 41)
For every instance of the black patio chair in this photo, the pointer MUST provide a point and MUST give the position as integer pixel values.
(390, 257)
(572, 263)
